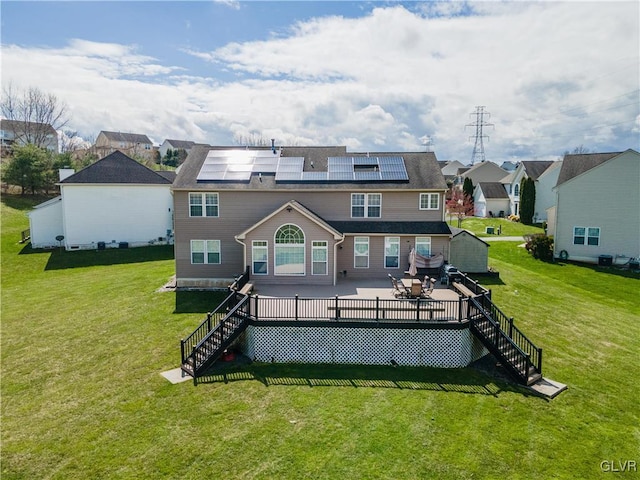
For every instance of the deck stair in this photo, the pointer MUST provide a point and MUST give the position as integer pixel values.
(218, 331)
(519, 356)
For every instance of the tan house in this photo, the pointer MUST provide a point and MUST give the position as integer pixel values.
(304, 214)
(131, 144)
(18, 132)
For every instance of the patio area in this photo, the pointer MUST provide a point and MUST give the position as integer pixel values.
(346, 288)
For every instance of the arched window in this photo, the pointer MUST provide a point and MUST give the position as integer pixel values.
(516, 190)
(289, 250)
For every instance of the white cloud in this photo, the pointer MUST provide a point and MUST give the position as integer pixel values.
(553, 75)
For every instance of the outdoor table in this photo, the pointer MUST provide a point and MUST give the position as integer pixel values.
(413, 286)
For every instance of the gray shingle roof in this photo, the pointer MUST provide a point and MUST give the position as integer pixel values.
(576, 164)
(493, 190)
(183, 144)
(398, 228)
(422, 168)
(117, 168)
(126, 137)
(535, 168)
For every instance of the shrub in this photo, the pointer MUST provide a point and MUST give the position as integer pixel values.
(540, 246)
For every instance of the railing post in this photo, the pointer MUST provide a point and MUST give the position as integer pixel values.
(539, 366)
(208, 322)
(255, 315)
(511, 328)
(182, 351)
(337, 311)
(296, 307)
(459, 309)
(377, 309)
(418, 309)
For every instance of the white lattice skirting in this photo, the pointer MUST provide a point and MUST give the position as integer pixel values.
(443, 348)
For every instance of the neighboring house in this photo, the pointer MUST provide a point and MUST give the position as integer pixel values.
(185, 145)
(508, 166)
(527, 169)
(545, 193)
(483, 172)
(469, 253)
(115, 202)
(597, 211)
(304, 214)
(490, 199)
(131, 144)
(16, 132)
(450, 169)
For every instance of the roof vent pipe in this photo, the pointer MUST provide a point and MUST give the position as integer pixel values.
(273, 145)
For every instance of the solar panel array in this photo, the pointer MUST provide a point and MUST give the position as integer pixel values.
(239, 165)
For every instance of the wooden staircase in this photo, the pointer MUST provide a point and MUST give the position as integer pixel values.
(520, 357)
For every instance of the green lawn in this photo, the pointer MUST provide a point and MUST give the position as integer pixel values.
(85, 336)
(509, 228)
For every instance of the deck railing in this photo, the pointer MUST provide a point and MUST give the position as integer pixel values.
(472, 285)
(353, 309)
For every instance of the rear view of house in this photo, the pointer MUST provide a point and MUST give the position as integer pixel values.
(305, 214)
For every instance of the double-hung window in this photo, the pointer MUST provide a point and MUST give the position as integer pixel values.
(586, 236)
(391, 252)
(366, 205)
(423, 246)
(259, 254)
(429, 201)
(361, 252)
(205, 251)
(203, 205)
(320, 256)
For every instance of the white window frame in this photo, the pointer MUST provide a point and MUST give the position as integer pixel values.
(516, 190)
(428, 205)
(590, 236)
(390, 242)
(258, 246)
(279, 246)
(368, 205)
(319, 246)
(206, 247)
(207, 200)
(365, 254)
(423, 241)
(583, 236)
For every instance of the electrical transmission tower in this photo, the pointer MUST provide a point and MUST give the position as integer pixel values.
(478, 147)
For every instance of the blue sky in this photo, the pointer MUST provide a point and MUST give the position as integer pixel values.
(375, 76)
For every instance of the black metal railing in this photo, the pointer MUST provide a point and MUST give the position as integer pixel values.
(219, 338)
(208, 324)
(241, 280)
(473, 285)
(507, 325)
(354, 309)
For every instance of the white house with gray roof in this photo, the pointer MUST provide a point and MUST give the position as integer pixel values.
(115, 202)
(309, 215)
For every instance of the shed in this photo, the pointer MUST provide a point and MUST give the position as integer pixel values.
(470, 254)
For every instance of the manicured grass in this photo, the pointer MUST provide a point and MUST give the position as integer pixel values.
(82, 396)
(509, 228)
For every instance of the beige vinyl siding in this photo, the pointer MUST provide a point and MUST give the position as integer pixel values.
(239, 210)
(345, 260)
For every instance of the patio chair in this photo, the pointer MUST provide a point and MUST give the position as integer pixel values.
(397, 290)
(427, 286)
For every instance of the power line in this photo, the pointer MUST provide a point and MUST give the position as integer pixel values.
(478, 147)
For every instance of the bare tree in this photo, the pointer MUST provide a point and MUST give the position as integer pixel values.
(34, 114)
(251, 139)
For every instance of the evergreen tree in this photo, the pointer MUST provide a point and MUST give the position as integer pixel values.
(27, 168)
(467, 188)
(527, 200)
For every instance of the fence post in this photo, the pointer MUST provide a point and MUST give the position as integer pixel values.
(511, 328)
(337, 311)
(296, 307)
(418, 309)
(377, 309)
(255, 315)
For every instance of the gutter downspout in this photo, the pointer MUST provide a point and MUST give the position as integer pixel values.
(244, 252)
(335, 260)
